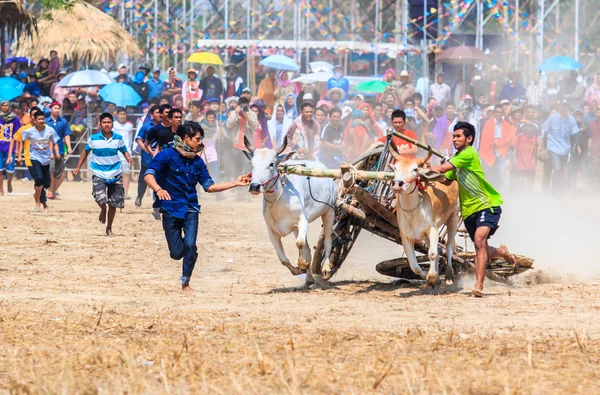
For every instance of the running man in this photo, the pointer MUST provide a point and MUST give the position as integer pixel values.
(44, 147)
(107, 177)
(173, 176)
(479, 201)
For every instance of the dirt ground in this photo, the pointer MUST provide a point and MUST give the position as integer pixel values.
(83, 313)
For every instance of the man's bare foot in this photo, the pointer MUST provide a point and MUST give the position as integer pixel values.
(37, 207)
(102, 216)
(503, 250)
(50, 195)
(109, 232)
(478, 293)
(187, 289)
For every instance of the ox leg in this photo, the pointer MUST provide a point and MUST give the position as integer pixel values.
(452, 225)
(304, 260)
(302, 244)
(328, 221)
(276, 241)
(432, 276)
(412, 258)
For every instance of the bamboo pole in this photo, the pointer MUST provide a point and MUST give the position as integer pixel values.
(417, 143)
(336, 173)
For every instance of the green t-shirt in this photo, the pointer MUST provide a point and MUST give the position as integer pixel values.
(475, 192)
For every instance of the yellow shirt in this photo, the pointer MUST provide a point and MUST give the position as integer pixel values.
(26, 148)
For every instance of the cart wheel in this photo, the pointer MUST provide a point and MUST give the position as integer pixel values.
(345, 232)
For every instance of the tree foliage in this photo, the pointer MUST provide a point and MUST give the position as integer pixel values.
(58, 4)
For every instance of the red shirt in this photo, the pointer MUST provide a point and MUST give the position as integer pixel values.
(398, 141)
(526, 148)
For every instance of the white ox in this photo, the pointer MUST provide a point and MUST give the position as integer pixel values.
(291, 205)
(421, 209)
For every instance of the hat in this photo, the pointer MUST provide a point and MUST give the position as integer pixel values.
(230, 99)
(213, 99)
(441, 73)
(54, 103)
(516, 109)
(260, 103)
(62, 72)
(144, 66)
(192, 70)
(359, 96)
(337, 66)
(490, 108)
(246, 90)
(231, 66)
(410, 113)
(121, 66)
(346, 110)
(504, 101)
(22, 74)
(156, 70)
(467, 97)
(335, 90)
(144, 105)
(44, 99)
(404, 73)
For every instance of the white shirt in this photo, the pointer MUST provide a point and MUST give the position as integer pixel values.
(125, 131)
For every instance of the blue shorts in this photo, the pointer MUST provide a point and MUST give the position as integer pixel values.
(489, 217)
(10, 168)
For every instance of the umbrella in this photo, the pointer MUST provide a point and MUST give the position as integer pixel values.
(315, 67)
(205, 58)
(20, 59)
(321, 76)
(375, 86)
(280, 62)
(10, 88)
(559, 63)
(85, 78)
(120, 94)
(462, 55)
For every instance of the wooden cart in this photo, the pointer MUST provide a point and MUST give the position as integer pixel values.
(365, 202)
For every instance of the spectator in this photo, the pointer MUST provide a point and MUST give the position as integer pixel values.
(405, 89)
(191, 88)
(399, 124)
(335, 95)
(478, 85)
(146, 151)
(594, 150)
(33, 87)
(44, 78)
(497, 139)
(356, 136)
(54, 66)
(536, 92)
(338, 80)
(13, 70)
(459, 88)
(442, 138)
(572, 90)
(9, 125)
(247, 94)
(211, 86)
(122, 70)
(440, 91)
(526, 152)
(261, 134)
(278, 126)
(558, 133)
(173, 85)
(304, 135)
(241, 122)
(266, 90)
(141, 88)
(234, 84)
(332, 138)
(57, 166)
(59, 93)
(195, 113)
(497, 84)
(552, 97)
(124, 128)
(593, 91)
(513, 89)
(155, 84)
(210, 140)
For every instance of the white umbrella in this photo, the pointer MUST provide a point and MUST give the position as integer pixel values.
(321, 76)
(85, 78)
(315, 67)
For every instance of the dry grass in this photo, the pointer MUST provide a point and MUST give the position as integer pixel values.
(112, 349)
(83, 33)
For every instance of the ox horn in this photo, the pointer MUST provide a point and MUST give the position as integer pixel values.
(393, 149)
(283, 146)
(248, 145)
(426, 159)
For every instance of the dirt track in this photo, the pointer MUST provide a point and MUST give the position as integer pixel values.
(80, 312)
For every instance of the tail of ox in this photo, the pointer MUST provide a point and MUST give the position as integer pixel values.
(290, 203)
(422, 207)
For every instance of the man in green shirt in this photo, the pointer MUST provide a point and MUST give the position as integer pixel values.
(479, 201)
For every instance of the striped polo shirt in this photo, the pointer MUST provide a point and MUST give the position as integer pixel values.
(105, 161)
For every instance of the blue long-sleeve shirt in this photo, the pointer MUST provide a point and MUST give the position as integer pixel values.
(179, 176)
(142, 135)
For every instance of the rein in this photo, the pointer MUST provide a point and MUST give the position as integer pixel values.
(276, 177)
(418, 185)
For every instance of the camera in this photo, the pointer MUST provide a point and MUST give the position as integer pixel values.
(245, 108)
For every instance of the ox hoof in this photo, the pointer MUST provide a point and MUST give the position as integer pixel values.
(432, 280)
(449, 281)
(318, 279)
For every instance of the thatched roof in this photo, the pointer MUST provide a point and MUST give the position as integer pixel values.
(83, 33)
(14, 16)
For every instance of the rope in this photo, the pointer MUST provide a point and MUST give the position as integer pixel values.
(313, 198)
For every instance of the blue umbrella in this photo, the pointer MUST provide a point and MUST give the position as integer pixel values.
(120, 94)
(20, 59)
(280, 62)
(559, 63)
(10, 88)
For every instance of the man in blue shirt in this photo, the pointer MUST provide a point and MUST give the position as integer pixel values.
(155, 84)
(338, 80)
(57, 166)
(173, 176)
(559, 133)
(146, 151)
